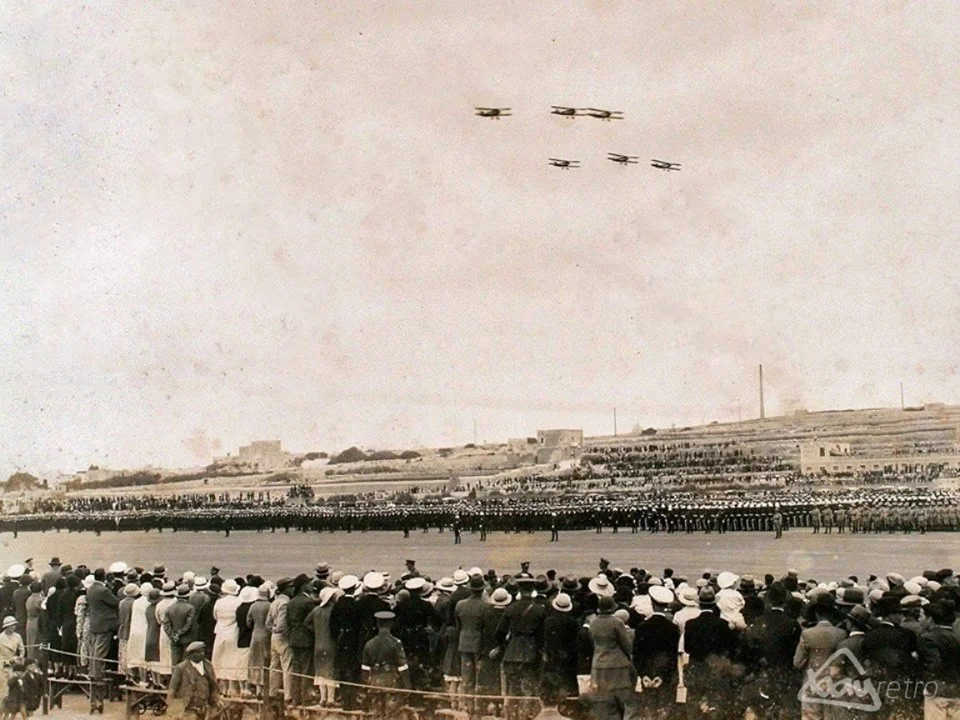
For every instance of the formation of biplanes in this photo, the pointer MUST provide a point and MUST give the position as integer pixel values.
(571, 113)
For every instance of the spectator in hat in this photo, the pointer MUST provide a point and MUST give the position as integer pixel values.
(180, 624)
(104, 619)
(259, 657)
(34, 607)
(324, 645)
(345, 628)
(469, 615)
(11, 650)
(50, 577)
(301, 636)
(125, 614)
(281, 657)
(193, 686)
(612, 669)
(940, 655)
(489, 677)
(711, 645)
(560, 629)
(384, 665)
(416, 623)
(520, 637)
(767, 647)
(655, 652)
(817, 645)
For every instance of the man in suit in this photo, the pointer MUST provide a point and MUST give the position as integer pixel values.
(179, 624)
(940, 653)
(892, 654)
(521, 634)
(416, 620)
(104, 617)
(655, 646)
(469, 616)
(51, 576)
(711, 644)
(300, 637)
(193, 687)
(817, 645)
(768, 646)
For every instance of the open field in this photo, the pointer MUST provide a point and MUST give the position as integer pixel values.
(272, 555)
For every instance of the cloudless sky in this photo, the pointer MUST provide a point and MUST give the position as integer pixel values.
(231, 221)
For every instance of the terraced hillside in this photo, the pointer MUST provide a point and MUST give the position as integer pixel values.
(881, 431)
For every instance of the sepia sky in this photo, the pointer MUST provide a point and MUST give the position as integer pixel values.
(248, 220)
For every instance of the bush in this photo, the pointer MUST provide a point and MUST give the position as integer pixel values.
(351, 454)
(382, 455)
(649, 431)
(409, 455)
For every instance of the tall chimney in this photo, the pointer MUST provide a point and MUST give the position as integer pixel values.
(762, 412)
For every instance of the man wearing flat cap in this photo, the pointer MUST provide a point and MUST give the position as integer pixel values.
(384, 665)
(193, 687)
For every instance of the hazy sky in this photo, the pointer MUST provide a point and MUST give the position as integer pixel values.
(226, 221)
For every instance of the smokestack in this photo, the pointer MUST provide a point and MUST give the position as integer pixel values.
(762, 412)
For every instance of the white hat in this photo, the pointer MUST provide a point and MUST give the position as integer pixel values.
(348, 582)
(16, 571)
(88, 581)
(145, 588)
(189, 576)
(416, 583)
(688, 596)
(562, 603)
(229, 587)
(199, 582)
(8, 621)
(327, 593)
(460, 577)
(249, 594)
(601, 586)
(727, 580)
(446, 585)
(131, 589)
(661, 595)
(474, 571)
(373, 580)
(912, 588)
(117, 567)
(500, 597)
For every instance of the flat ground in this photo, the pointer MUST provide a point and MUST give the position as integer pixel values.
(824, 557)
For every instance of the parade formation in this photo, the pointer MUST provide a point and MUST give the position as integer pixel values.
(856, 510)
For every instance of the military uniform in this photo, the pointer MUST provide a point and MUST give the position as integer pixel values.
(384, 665)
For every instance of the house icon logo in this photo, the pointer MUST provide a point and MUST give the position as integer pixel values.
(821, 689)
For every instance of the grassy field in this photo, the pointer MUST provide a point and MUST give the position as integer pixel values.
(272, 555)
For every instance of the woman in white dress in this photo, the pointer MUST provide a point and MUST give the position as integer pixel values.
(137, 642)
(229, 662)
(167, 598)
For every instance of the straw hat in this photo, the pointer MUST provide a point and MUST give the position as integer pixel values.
(8, 621)
(500, 597)
(562, 603)
(601, 586)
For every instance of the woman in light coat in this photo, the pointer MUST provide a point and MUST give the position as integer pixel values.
(324, 645)
(259, 657)
(229, 664)
(136, 656)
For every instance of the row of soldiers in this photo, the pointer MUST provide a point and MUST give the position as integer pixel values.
(863, 511)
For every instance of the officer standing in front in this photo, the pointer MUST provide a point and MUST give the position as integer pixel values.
(384, 665)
